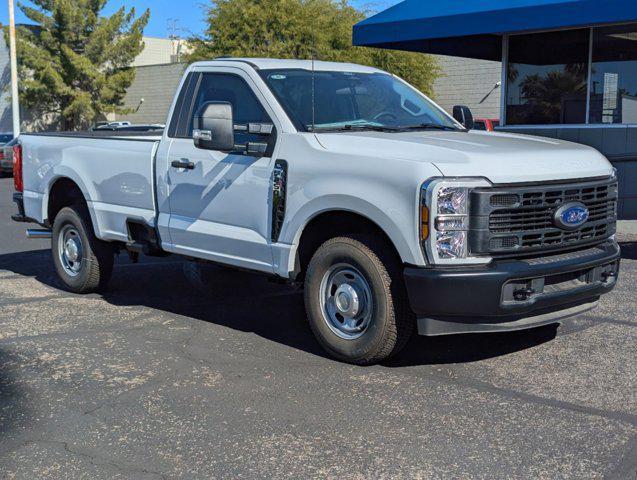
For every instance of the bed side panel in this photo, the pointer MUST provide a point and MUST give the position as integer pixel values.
(115, 176)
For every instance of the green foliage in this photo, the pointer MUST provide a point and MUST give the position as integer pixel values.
(302, 29)
(75, 65)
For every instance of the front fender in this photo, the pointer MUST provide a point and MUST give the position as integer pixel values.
(399, 227)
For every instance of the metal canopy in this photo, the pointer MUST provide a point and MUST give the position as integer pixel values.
(475, 28)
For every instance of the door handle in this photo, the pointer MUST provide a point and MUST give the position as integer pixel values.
(183, 164)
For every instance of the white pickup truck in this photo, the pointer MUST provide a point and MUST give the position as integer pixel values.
(394, 216)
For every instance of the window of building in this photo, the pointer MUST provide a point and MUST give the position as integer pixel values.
(547, 78)
(613, 97)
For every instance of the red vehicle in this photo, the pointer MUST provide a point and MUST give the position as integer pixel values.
(487, 124)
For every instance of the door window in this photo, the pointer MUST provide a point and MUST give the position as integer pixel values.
(219, 87)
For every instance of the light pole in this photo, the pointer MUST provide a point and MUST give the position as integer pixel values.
(15, 101)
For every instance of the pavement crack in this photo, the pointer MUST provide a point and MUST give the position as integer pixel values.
(96, 460)
(528, 397)
(158, 380)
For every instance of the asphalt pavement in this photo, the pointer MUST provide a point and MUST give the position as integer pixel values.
(195, 372)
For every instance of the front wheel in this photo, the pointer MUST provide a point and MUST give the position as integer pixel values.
(82, 261)
(356, 301)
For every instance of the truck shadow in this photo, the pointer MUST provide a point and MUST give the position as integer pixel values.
(629, 251)
(251, 303)
(469, 348)
(13, 400)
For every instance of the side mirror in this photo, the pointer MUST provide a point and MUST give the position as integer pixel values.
(463, 115)
(213, 127)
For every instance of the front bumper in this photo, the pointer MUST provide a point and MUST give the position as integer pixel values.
(511, 294)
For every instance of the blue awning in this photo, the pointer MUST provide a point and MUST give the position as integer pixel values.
(475, 28)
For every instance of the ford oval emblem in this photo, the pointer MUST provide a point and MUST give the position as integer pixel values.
(571, 216)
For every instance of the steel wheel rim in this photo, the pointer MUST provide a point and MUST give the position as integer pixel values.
(346, 301)
(70, 250)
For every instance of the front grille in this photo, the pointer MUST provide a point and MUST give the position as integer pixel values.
(519, 220)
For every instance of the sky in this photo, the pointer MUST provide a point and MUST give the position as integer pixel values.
(185, 16)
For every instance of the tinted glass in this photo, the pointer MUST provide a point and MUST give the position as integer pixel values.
(4, 138)
(186, 92)
(614, 75)
(547, 78)
(479, 125)
(231, 88)
(335, 99)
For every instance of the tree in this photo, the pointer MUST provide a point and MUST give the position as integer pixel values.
(301, 29)
(74, 64)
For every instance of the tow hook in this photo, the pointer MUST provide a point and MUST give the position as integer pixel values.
(608, 276)
(523, 294)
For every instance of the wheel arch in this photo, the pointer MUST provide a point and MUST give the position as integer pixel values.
(332, 222)
(62, 192)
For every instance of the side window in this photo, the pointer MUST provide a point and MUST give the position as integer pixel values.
(180, 107)
(219, 87)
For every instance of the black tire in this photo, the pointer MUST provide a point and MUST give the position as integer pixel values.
(392, 322)
(95, 267)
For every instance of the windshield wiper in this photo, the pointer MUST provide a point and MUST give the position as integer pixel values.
(355, 127)
(430, 126)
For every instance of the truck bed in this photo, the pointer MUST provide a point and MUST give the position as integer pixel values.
(114, 171)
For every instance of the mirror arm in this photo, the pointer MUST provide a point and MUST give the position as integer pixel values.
(255, 128)
(252, 148)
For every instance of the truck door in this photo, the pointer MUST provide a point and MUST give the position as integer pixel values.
(219, 203)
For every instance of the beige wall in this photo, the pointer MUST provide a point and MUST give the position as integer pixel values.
(156, 84)
(159, 51)
(466, 81)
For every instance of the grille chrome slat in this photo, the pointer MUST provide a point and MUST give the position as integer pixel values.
(508, 227)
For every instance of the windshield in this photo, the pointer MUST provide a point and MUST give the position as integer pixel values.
(347, 101)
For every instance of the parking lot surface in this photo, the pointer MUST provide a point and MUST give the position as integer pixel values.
(186, 371)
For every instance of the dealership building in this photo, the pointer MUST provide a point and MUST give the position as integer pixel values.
(568, 68)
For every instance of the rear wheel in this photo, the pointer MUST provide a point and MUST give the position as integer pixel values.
(356, 300)
(82, 261)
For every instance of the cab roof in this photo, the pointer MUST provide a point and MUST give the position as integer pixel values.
(284, 64)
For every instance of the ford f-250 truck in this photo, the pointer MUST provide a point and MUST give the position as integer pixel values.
(392, 214)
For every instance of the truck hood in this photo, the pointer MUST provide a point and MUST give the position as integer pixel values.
(499, 157)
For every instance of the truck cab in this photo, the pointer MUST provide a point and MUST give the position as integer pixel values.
(347, 181)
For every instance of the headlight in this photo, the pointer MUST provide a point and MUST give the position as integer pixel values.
(445, 221)
(451, 245)
(453, 200)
